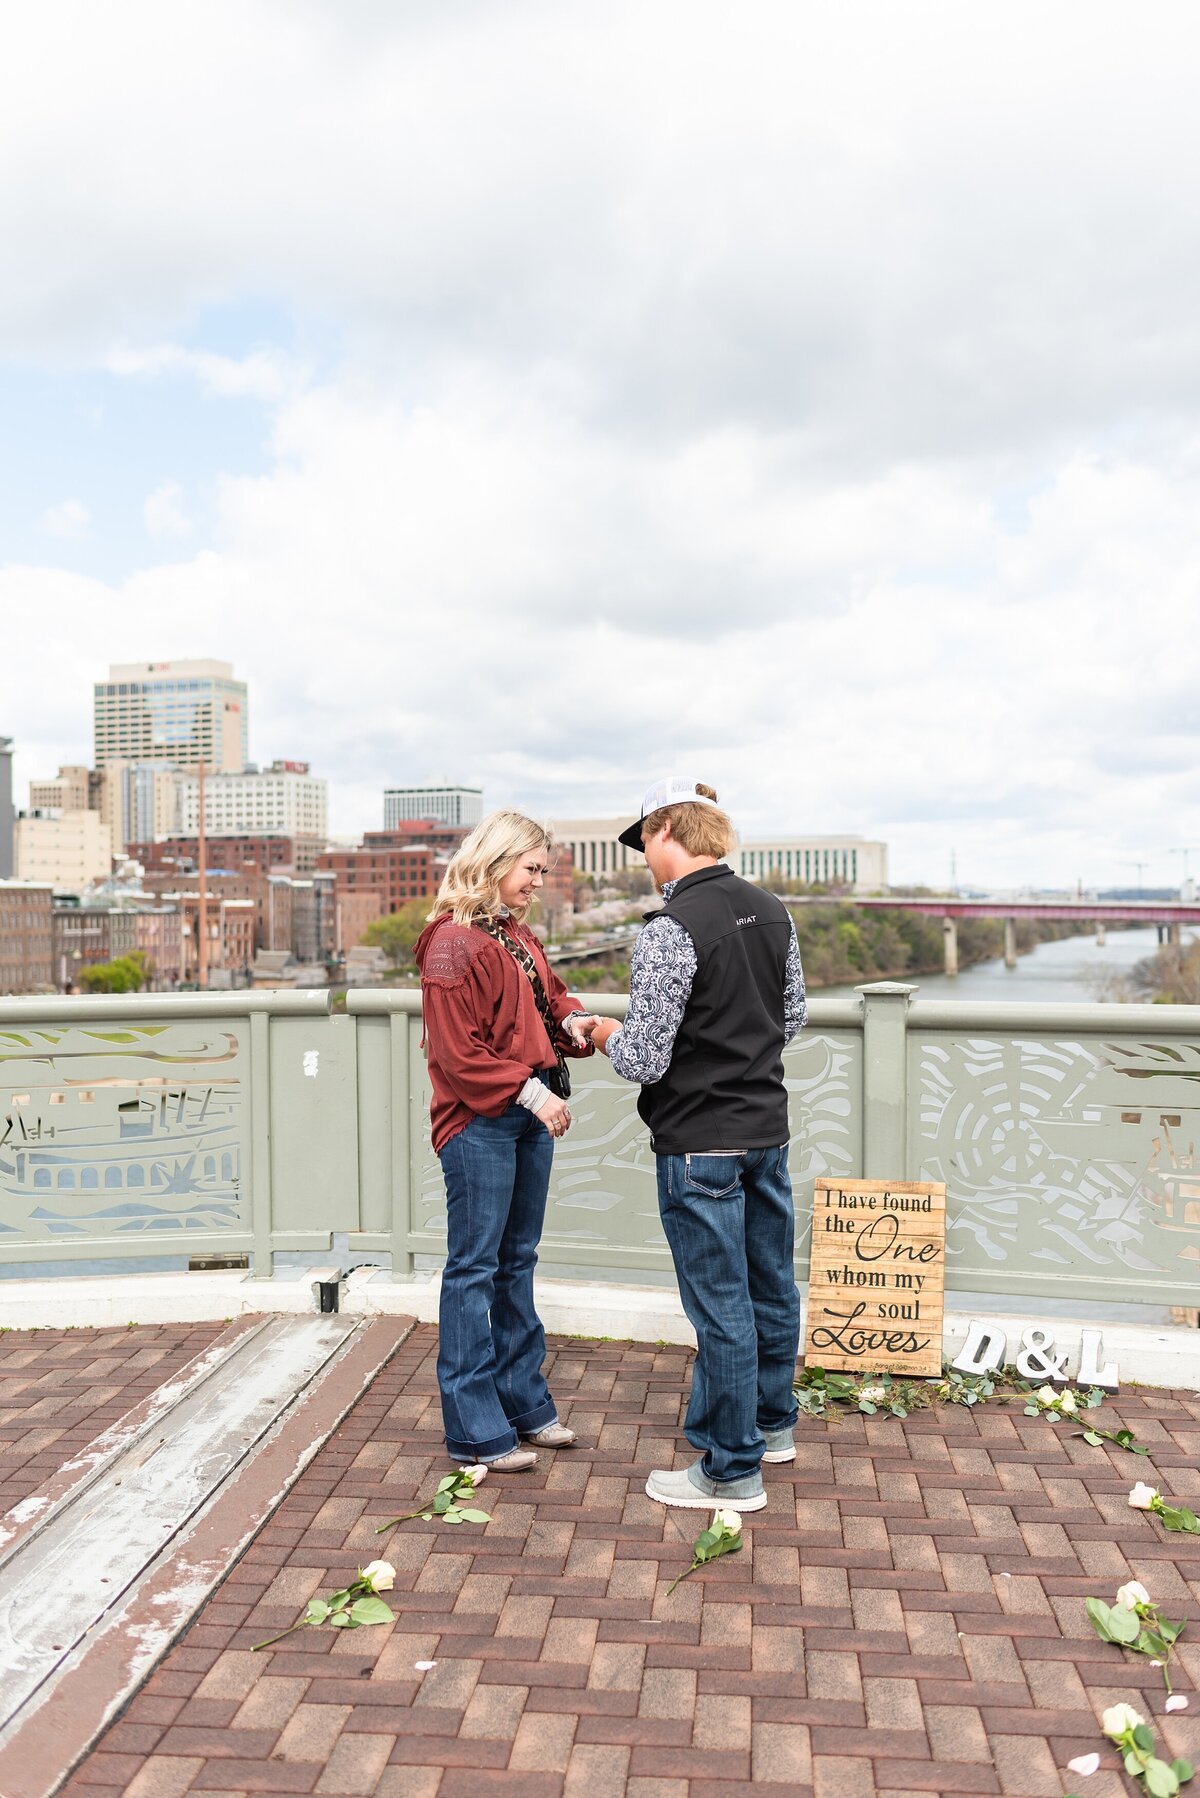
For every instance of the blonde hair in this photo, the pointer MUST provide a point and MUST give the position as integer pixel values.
(700, 829)
(471, 886)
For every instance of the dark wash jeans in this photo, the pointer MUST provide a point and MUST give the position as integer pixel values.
(491, 1344)
(731, 1229)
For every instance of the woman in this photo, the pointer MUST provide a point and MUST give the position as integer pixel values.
(498, 1022)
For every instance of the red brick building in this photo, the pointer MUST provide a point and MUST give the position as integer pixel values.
(26, 937)
(230, 853)
(396, 874)
(428, 833)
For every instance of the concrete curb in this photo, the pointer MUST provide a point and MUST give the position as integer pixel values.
(1149, 1355)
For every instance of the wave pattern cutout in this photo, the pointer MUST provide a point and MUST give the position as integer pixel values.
(115, 1134)
(1061, 1155)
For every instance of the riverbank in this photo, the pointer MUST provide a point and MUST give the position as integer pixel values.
(845, 945)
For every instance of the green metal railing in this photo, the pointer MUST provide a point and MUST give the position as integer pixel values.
(150, 1126)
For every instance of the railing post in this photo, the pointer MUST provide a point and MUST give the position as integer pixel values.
(262, 1197)
(885, 1079)
(400, 1108)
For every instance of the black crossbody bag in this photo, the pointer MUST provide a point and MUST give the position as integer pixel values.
(557, 1078)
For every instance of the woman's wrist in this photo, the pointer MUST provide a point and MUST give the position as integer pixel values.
(533, 1094)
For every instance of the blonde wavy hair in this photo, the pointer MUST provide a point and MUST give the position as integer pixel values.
(471, 886)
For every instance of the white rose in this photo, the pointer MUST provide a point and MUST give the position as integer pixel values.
(1120, 1717)
(874, 1395)
(730, 1520)
(1068, 1400)
(1047, 1396)
(1143, 1496)
(1132, 1594)
(381, 1574)
(476, 1474)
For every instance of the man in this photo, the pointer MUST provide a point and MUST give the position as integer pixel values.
(715, 991)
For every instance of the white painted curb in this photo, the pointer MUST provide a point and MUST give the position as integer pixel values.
(1150, 1356)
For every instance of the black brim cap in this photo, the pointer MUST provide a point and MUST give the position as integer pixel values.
(676, 789)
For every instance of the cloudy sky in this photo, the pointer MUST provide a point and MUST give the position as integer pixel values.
(552, 396)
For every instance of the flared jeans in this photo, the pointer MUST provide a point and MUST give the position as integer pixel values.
(491, 1343)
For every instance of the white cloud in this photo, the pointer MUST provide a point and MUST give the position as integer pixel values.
(164, 514)
(262, 375)
(69, 519)
(809, 396)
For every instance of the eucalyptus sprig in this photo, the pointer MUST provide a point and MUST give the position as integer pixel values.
(816, 1390)
(1174, 1517)
(1131, 1733)
(355, 1605)
(722, 1537)
(1121, 1438)
(444, 1503)
(1134, 1622)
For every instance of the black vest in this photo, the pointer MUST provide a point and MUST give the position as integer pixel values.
(724, 1086)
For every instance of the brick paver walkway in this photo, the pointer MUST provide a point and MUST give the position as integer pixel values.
(60, 1389)
(907, 1615)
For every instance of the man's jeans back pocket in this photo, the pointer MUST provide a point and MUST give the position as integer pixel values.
(713, 1176)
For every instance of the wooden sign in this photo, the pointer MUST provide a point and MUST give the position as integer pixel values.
(876, 1279)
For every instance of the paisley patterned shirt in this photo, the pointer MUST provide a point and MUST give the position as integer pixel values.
(660, 984)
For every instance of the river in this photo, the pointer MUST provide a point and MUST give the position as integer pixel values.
(1072, 970)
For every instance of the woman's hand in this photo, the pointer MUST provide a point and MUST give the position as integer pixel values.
(579, 1028)
(555, 1116)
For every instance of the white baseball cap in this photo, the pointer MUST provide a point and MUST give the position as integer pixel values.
(675, 789)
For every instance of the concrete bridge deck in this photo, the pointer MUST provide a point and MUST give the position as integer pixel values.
(907, 1615)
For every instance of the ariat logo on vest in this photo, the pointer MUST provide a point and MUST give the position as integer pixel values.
(752, 919)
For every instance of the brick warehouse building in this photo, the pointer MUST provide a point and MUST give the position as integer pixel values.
(231, 853)
(396, 875)
(26, 937)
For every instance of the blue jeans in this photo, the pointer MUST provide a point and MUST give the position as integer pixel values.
(491, 1344)
(730, 1225)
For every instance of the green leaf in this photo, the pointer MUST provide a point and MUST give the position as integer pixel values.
(342, 1620)
(453, 1515)
(1133, 1763)
(1098, 1611)
(1160, 1781)
(1031, 1410)
(864, 1404)
(442, 1503)
(449, 1483)
(316, 1611)
(898, 1411)
(1182, 1769)
(372, 1610)
(337, 1600)
(1123, 1625)
(475, 1516)
(1091, 1436)
(1143, 1735)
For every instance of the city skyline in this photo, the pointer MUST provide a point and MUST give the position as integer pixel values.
(820, 418)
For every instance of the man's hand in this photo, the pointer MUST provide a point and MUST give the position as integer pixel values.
(601, 1031)
(554, 1114)
(580, 1028)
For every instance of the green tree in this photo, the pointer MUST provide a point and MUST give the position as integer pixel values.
(126, 974)
(397, 933)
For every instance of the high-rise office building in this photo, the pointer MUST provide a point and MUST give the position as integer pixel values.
(182, 713)
(6, 809)
(453, 805)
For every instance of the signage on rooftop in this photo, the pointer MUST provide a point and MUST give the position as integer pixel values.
(877, 1276)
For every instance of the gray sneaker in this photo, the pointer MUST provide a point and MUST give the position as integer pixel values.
(694, 1490)
(781, 1445)
(517, 1460)
(551, 1435)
